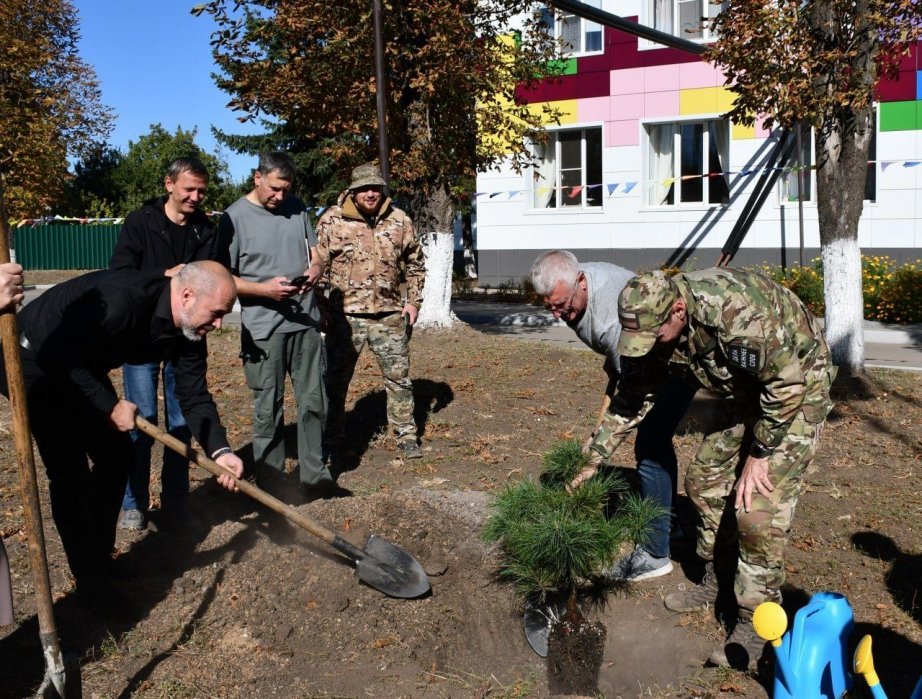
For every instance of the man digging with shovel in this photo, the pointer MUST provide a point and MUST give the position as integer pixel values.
(71, 337)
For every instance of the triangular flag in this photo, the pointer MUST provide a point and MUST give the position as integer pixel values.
(612, 188)
(513, 192)
(628, 186)
(911, 163)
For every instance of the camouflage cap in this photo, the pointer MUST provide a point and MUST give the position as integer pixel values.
(367, 175)
(643, 306)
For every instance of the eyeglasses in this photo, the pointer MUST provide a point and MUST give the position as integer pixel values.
(562, 307)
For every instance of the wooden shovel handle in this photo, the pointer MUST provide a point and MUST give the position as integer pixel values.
(246, 487)
(22, 441)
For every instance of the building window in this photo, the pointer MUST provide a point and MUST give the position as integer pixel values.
(569, 171)
(575, 34)
(685, 162)
(687, 19)
(790, 182)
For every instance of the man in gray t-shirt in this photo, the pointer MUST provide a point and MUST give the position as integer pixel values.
(585, 297)
(271, 243)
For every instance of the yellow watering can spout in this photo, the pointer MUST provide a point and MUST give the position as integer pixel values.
(864, 662)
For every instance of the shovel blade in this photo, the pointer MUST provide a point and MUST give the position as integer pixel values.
(391, 570)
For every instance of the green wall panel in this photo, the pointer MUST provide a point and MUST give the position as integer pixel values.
(899, 116)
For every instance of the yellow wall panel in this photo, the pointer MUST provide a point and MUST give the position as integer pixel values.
(705, 100)
(743, 133)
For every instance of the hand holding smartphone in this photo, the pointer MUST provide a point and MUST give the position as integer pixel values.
(297, 281)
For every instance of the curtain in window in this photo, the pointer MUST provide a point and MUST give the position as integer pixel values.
(544, 174)
(662, 15)
(662, 142)
(592, 32)
(718, 191)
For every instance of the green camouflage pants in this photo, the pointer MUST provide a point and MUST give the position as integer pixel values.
(762, 531)
(388, 337)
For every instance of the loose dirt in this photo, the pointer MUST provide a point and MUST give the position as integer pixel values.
(237, 602)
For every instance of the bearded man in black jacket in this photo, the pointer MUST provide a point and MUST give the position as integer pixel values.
(71, 337)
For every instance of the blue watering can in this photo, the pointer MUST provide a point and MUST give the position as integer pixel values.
(811, 658)
(812, 662)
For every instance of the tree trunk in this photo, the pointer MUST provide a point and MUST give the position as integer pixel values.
(842, 156)
(435, 217)
(467, 244)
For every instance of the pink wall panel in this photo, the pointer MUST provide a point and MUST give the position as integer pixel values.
(627, 81)
(622, 133)
(761, 131)
(660, 79)
(699, 74)
(626, 106)
(661, 104)
(593, 109)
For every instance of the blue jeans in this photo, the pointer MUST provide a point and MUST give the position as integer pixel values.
(657, 464)
(141, 382)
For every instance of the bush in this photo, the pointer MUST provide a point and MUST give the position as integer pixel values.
(891, 293)
(900, 299)
(806, 282)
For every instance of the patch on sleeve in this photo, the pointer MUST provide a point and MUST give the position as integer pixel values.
(743, 357)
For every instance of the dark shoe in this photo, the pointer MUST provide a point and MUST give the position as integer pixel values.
(700, 596)
(743, 648)
(410, 450)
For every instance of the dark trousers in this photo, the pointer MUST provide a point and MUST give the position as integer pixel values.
(85, 498)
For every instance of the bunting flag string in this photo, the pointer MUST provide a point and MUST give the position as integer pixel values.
(623, 188)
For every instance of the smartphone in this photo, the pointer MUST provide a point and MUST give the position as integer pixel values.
(297, 281)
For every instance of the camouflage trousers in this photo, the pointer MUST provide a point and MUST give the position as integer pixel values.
(762, 532)
(388, 338)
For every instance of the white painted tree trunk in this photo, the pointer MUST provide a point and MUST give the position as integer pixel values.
(436, 310)
(844, 302)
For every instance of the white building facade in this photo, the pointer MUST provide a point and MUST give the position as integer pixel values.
(644, 169)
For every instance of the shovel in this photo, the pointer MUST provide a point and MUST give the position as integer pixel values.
(61, 680)
(380, 564)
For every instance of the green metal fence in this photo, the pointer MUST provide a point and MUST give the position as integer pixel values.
(65, 246)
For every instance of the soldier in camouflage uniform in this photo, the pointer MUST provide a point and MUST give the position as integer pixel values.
(368, 248)
(749, 339)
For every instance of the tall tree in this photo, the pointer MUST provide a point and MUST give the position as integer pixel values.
(50, 104)
(138, 174)
(452, 71)
(818, 62)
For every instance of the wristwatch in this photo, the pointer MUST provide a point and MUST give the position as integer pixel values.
(759, 450)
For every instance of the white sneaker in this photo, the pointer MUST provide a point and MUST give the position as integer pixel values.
(638, 565)
(133, 520)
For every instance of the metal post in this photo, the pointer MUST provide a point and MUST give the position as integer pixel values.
(800, 189)
(381, 91)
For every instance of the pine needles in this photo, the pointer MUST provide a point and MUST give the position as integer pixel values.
(553, 539)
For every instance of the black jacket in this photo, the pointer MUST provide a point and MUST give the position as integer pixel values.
(143, 242)
(80, 330)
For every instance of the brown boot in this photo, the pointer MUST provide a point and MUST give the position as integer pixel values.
(700, 596)
(743, 648)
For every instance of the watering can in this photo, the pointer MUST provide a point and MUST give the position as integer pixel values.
(811, 657)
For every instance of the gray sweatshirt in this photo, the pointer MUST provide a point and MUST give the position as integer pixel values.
(599, 327)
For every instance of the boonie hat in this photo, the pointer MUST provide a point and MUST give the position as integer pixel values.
(367, 175)
(643, 306)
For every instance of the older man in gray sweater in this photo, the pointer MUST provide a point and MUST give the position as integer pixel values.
(585, 297)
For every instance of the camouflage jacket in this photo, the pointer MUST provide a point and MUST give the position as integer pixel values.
(749, 338)
(366, 264)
